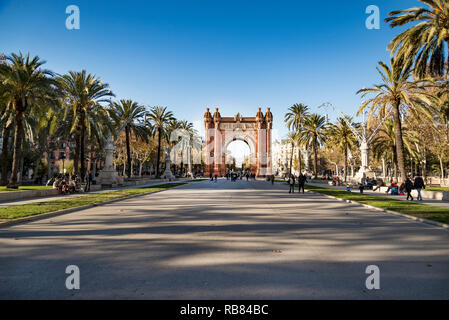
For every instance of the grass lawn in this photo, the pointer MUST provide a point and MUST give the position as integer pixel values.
(21, 211)
(435, 213)
(445, 189)
(21, 188)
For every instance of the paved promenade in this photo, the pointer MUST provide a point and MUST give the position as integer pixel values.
(225, 240)
(60, 196)
(437, 203)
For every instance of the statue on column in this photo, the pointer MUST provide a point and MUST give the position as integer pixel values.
(167, 173)
(109, 176)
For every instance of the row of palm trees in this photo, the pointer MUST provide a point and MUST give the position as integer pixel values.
(412, 96)
(312, 131)
(37, 105)
(415, 84)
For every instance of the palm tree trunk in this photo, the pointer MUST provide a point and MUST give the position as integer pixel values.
(82, 152)
(299, 159)
(128, 151)
(291, 159)
(17, 149)
(48, 161)
(399, 141)
(6, 133)
(158, 151)
(76, 157)
(346, 163)
(315, 160)
(21, 163)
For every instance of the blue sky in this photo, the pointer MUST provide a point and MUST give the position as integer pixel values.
(187, 55)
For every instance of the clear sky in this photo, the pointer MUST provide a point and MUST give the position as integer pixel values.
(186, 55)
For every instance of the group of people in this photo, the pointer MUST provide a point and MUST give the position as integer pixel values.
(69, 183)
(407, 186)
(301, 179)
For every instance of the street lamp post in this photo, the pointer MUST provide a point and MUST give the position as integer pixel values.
(362, 137)
(62, 157)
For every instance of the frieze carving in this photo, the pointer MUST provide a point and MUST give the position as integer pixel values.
(238, 125)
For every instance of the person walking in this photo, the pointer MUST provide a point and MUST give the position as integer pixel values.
(419, 185)
(361, 186)
(408, 188)
(292, 184)
(272, 179)
(88, 181)
(211, 177)
(302, 179)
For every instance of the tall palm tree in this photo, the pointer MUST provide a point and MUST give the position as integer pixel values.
(314, 135)
(127, 115)
(25, 85)
(427, 40)
(294, 119)
(187, 127)
(396, 94)
(172, 138)
(83, 97)
(384, 144)
(159, 117)
(292, 138)
(6, 122)
(342, 137)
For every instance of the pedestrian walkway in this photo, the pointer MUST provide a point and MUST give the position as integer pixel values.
(438, 203)
(241, 240)
(59, 196)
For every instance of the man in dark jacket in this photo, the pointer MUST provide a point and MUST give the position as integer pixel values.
(302, 179)
(408, 188)
(418, 185)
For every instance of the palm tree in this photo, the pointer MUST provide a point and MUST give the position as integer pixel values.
(7, 121)
(294, 119)
(384, 144)
(314, 135)
(127, 115)
(396, 94)
(159, 117)
(427, 40)
(292, 138)
(25, 85)
(342, 137)
(83, 97)
(189, 131)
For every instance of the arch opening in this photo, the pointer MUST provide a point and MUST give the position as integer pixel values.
(238, 155)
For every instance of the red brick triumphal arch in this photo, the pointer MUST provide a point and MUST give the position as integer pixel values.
(221, 131)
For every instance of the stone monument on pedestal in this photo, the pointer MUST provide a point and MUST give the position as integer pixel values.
(109, 176)
(167, 173)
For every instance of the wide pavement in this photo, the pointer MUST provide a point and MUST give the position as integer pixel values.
(225, 240)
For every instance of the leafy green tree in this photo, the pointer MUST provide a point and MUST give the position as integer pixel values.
(292, 139)
(397, 94)
(314, 135)
(427, 40)
(294, 119)
(159, 117)
(83, 97)
(25, 85)
(128, 116)
(341, 136)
